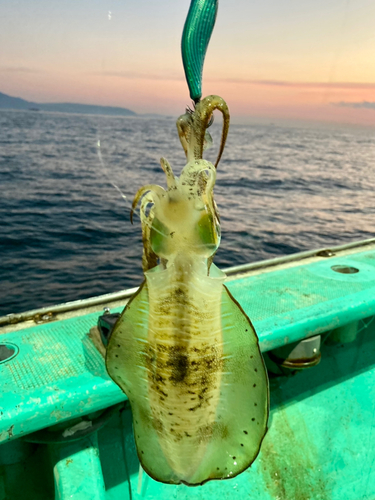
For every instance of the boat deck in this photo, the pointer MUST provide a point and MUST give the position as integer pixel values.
(322, 419)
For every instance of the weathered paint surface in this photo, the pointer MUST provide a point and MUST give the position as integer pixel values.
(77, 470)
(290, 466)
(57, 375)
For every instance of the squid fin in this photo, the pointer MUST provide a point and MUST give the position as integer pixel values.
(242, 413)
(126, 362)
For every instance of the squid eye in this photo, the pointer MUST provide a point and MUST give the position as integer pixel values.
(158, 237)
(207, 231)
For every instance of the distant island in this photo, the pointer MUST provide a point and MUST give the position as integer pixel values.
(9, 102)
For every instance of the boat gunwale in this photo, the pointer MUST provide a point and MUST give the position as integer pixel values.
(232, 272)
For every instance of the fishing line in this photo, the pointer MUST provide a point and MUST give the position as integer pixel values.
(118, 189)
(365, 325)
(104, 168)
(337, 52)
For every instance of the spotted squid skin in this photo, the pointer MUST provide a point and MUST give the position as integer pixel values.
(184, 361)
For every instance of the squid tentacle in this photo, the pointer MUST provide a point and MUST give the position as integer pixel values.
(204, 110)
(192, 127)
(171, 180)
(149, 257)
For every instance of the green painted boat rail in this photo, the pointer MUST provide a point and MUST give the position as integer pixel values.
(99, 301)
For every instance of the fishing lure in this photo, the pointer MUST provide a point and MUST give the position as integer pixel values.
(197, 32)
(183, 350)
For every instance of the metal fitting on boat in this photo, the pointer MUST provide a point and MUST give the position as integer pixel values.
(106, 323)
(75, 429)
(298, 355)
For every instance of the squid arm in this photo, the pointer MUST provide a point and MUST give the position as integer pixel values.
(192, 127)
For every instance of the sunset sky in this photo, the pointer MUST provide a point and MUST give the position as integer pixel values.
(289, 59)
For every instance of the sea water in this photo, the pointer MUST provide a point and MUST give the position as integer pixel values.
(65, 232)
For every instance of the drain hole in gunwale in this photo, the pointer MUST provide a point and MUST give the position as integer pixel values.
(345, 269)
(7, 352)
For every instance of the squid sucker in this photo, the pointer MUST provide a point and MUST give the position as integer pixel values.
(183, 350)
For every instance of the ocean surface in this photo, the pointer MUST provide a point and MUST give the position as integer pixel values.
(65, 232)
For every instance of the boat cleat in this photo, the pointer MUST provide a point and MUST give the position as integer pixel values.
(298, 355)
(106, 323)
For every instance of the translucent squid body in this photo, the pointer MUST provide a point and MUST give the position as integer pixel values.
(183, 350)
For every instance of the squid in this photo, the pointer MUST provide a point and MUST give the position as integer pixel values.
(183, 350)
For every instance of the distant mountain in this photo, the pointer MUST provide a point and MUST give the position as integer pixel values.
(9, 102)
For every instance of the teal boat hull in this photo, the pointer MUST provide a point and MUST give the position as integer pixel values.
(60, 441)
